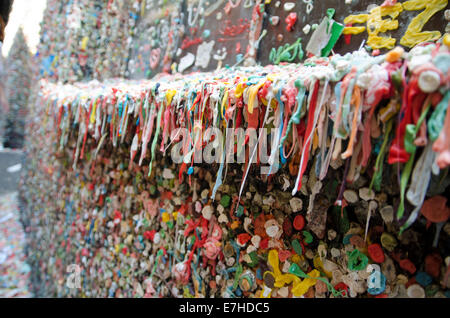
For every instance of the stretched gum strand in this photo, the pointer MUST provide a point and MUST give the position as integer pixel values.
(94, 108)
(320, 133)
(169, 97)
(356, 100)
(133, 150)
(315, 140)
(414, 99)
(294, 145)
(252, 96)
(99, 119)
(416, 113)
(283, 135)
(337, 148)
(266, 115)
(326, 162)
(419, 184)
(124, 116)
(295, 118)
(367, 145)
(140, 115)
(380, 158)
(321, 128)
(437, 118)
(346, 84)
(323, 144)
(155, 138)
(344, 128)
(354, 165)
(293, 114)
(147, 133)
(442, 144)
(116, 117)
(421, 140)
(340, 90)
(86, 123)
(309, 130)
(408, 167)
(218, 182)
(280, 109)
(125, 126)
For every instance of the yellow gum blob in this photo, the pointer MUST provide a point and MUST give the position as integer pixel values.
(315, 140)
(414, 34)
(240, 88)
(94, 108)
(280, 278)
(252, 95)
(297, 258)
(301, 288)
(355, 19)
(319, 264)
(165, 217)
(84, 43)
(389, 110)
(376, 24)
(169, 95)
(446, 40)
(224, 100)
(274, 262)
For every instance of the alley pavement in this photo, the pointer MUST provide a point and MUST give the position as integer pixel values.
(14, 271)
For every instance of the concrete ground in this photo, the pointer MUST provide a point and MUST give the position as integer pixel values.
(14, 271)
(9, 179)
